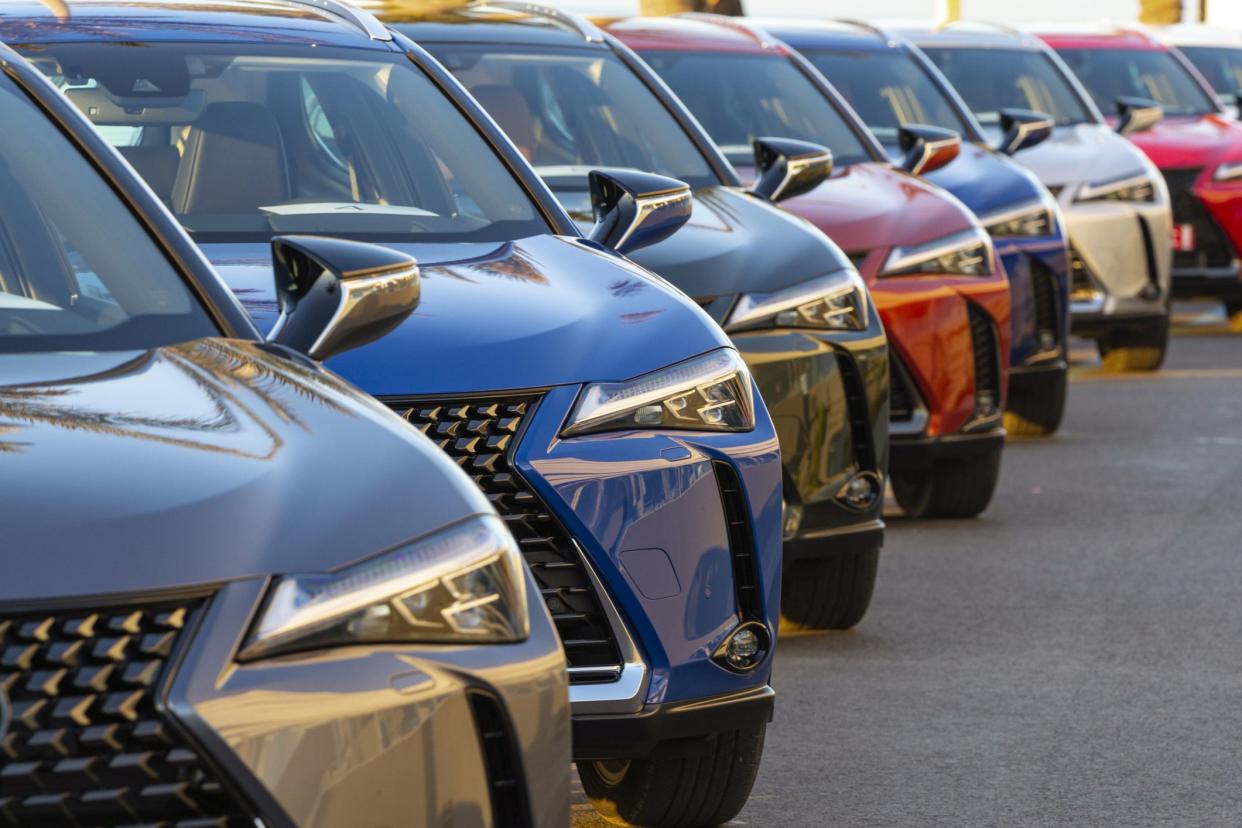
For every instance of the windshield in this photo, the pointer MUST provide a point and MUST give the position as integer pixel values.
(1110, 74)
(246, 141)
(78, 272)
(990, 80)
(1221, 65)
(573, 110)
(887, 89)
(740, 97)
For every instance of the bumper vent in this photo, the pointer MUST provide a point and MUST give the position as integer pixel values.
(741, 542)
(859, 411)
(86, 745)
(1213, 249)
(1047, 306)
(987, 362)
(481, 434)
(502, 761)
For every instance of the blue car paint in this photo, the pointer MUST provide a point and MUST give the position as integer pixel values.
(985, 181)
(583, 315)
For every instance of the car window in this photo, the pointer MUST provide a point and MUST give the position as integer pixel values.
(78, 271)
(990, 80)
(1109, 74)
(247, 141)
(887, 89)
(569, 110)
(740, 97)
(1221, 65)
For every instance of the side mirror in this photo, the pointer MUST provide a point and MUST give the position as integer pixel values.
(335, 295)
(1138, 115)
(925, 149)
(788, 168)
(636, 209)
(1023, 129)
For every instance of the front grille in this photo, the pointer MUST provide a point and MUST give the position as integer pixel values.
(987, 359)
(481, 435)
(741, 542)
(902, 398)
(87, 745)
(502, 762)
(1212, 247)
(1047, 305)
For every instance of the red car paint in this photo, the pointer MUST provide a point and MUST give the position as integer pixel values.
(867, 209)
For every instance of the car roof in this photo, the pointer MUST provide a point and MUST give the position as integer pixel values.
(271, 21)
(518, 23)
(836, 34)
(967, 34)
(691, 33)
(1099, 36)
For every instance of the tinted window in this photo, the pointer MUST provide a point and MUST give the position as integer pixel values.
(990, 80)
(887, 89)
(1221, 65)
(741, 97)
(571, 110)
(77, 270)
(245, 141)
(1110, 74)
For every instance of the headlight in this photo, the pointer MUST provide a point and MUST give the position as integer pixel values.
(1228, 172)
(1035, 218)
(836, 302)
(708, 393)
(1130, 188)
(464, 584)
(968, 253)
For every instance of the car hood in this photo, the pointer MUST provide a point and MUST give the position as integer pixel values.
(987, 181)
(1191, 142)
(865, 206)
(733, 243)
(201, 463)
(1079, 153)
(533, 313)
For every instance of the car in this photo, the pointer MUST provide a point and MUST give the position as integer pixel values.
(219, 604)
(941, 294)
(1197, 146)
(891, 85)
(568, 95)
(1216, 53)
(605, 415)
(1114, 200)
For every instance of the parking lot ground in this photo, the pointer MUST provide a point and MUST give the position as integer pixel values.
(1072, 657)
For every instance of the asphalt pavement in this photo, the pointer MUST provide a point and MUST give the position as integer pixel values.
(1072, 657)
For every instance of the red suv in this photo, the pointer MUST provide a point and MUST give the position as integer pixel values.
(1197, 146)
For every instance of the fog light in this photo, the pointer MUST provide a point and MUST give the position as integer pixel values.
(861, 490)
(745, 648)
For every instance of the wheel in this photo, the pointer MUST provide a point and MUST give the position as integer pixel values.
(681, 791)
(832, 593)
(1036, 404)
(953, 487)
(1234, 311)
(1136, 350)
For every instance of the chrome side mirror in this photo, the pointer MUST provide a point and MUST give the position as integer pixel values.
(925, 149)
(335, 295)
(788, 168)
(1023, 129)
(1138, 115)
(636, 209)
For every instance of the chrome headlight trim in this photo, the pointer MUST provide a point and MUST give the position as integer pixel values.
(835, 301)
(974, 246)
(1037, 217)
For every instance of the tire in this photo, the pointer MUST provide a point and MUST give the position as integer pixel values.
(1233, 310)
(951, 488)
(1136, 350)
(677, 791)
(1036, 404)
(832, 593)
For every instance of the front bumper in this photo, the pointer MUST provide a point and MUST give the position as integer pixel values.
(920, 453)
(1213, 209)
(1039, 287)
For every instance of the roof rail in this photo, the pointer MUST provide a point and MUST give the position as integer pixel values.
(752, 31)
(364, 20)
(865, 26)
(588, 30)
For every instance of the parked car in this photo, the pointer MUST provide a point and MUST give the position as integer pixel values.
(930, 265)
(570, 96)
(219, 604)
(1115, 204)
(1197, 146)
(892, 86)
(1217, 53)
(606, 417)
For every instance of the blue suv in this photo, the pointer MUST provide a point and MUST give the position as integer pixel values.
(891, 84)
(606, 417)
